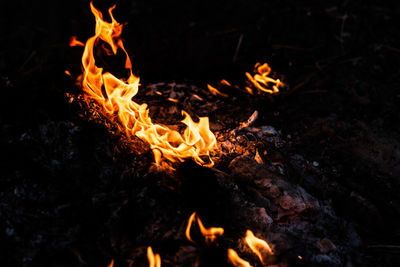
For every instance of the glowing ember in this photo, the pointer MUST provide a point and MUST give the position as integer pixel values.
(258, 246)
(235, 260)
(210, 234)
(260, 81)
(114, 96)
(154, 259)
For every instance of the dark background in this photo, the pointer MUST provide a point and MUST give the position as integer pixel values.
(340, 60)
(348, 48)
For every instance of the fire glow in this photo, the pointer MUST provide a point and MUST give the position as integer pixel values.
(210, 234)
(114, 96)
(154, 259)
(260, 81)
(258, 246)
(235, 260)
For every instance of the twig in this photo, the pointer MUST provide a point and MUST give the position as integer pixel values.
(27, 60)
(237, 48)
(250, 120)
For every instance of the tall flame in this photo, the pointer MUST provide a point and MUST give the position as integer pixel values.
(210, 234)
(115, 95)
(258, 246)
(154, 259)
(235, 260)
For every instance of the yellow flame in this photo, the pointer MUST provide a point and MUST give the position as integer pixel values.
(258, 246)
(260, 80)
(210, 234)
(115, 95)
(154, 259)
(235, 260)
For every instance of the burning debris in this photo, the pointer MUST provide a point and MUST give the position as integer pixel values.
(114, 97)
(259, 82)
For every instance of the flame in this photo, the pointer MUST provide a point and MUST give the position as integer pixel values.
(68, 73)
(258, 246)
(154, 259)
(111, 263)
(75, 42)
(210, 234)
(215, 91)
(260, 80)
(235, 260)
(115, 95)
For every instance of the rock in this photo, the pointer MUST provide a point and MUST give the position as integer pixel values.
(262, 216)
(325, 245)
(286, 202)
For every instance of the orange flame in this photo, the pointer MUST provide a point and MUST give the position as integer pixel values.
(260, 80)
(235, 260)
(75, 42)
(215, 91)
(111, 263)
(115, 95)
(258, 246)
(210, 234)
(154, 259)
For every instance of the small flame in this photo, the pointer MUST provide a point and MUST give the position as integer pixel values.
(154, 259)
(111, 263)
(258, 246)
(210, 234)
(68, 73)
(235, 260)
(215, 91)
(115, 95)
(260, 80)
(75, 42)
